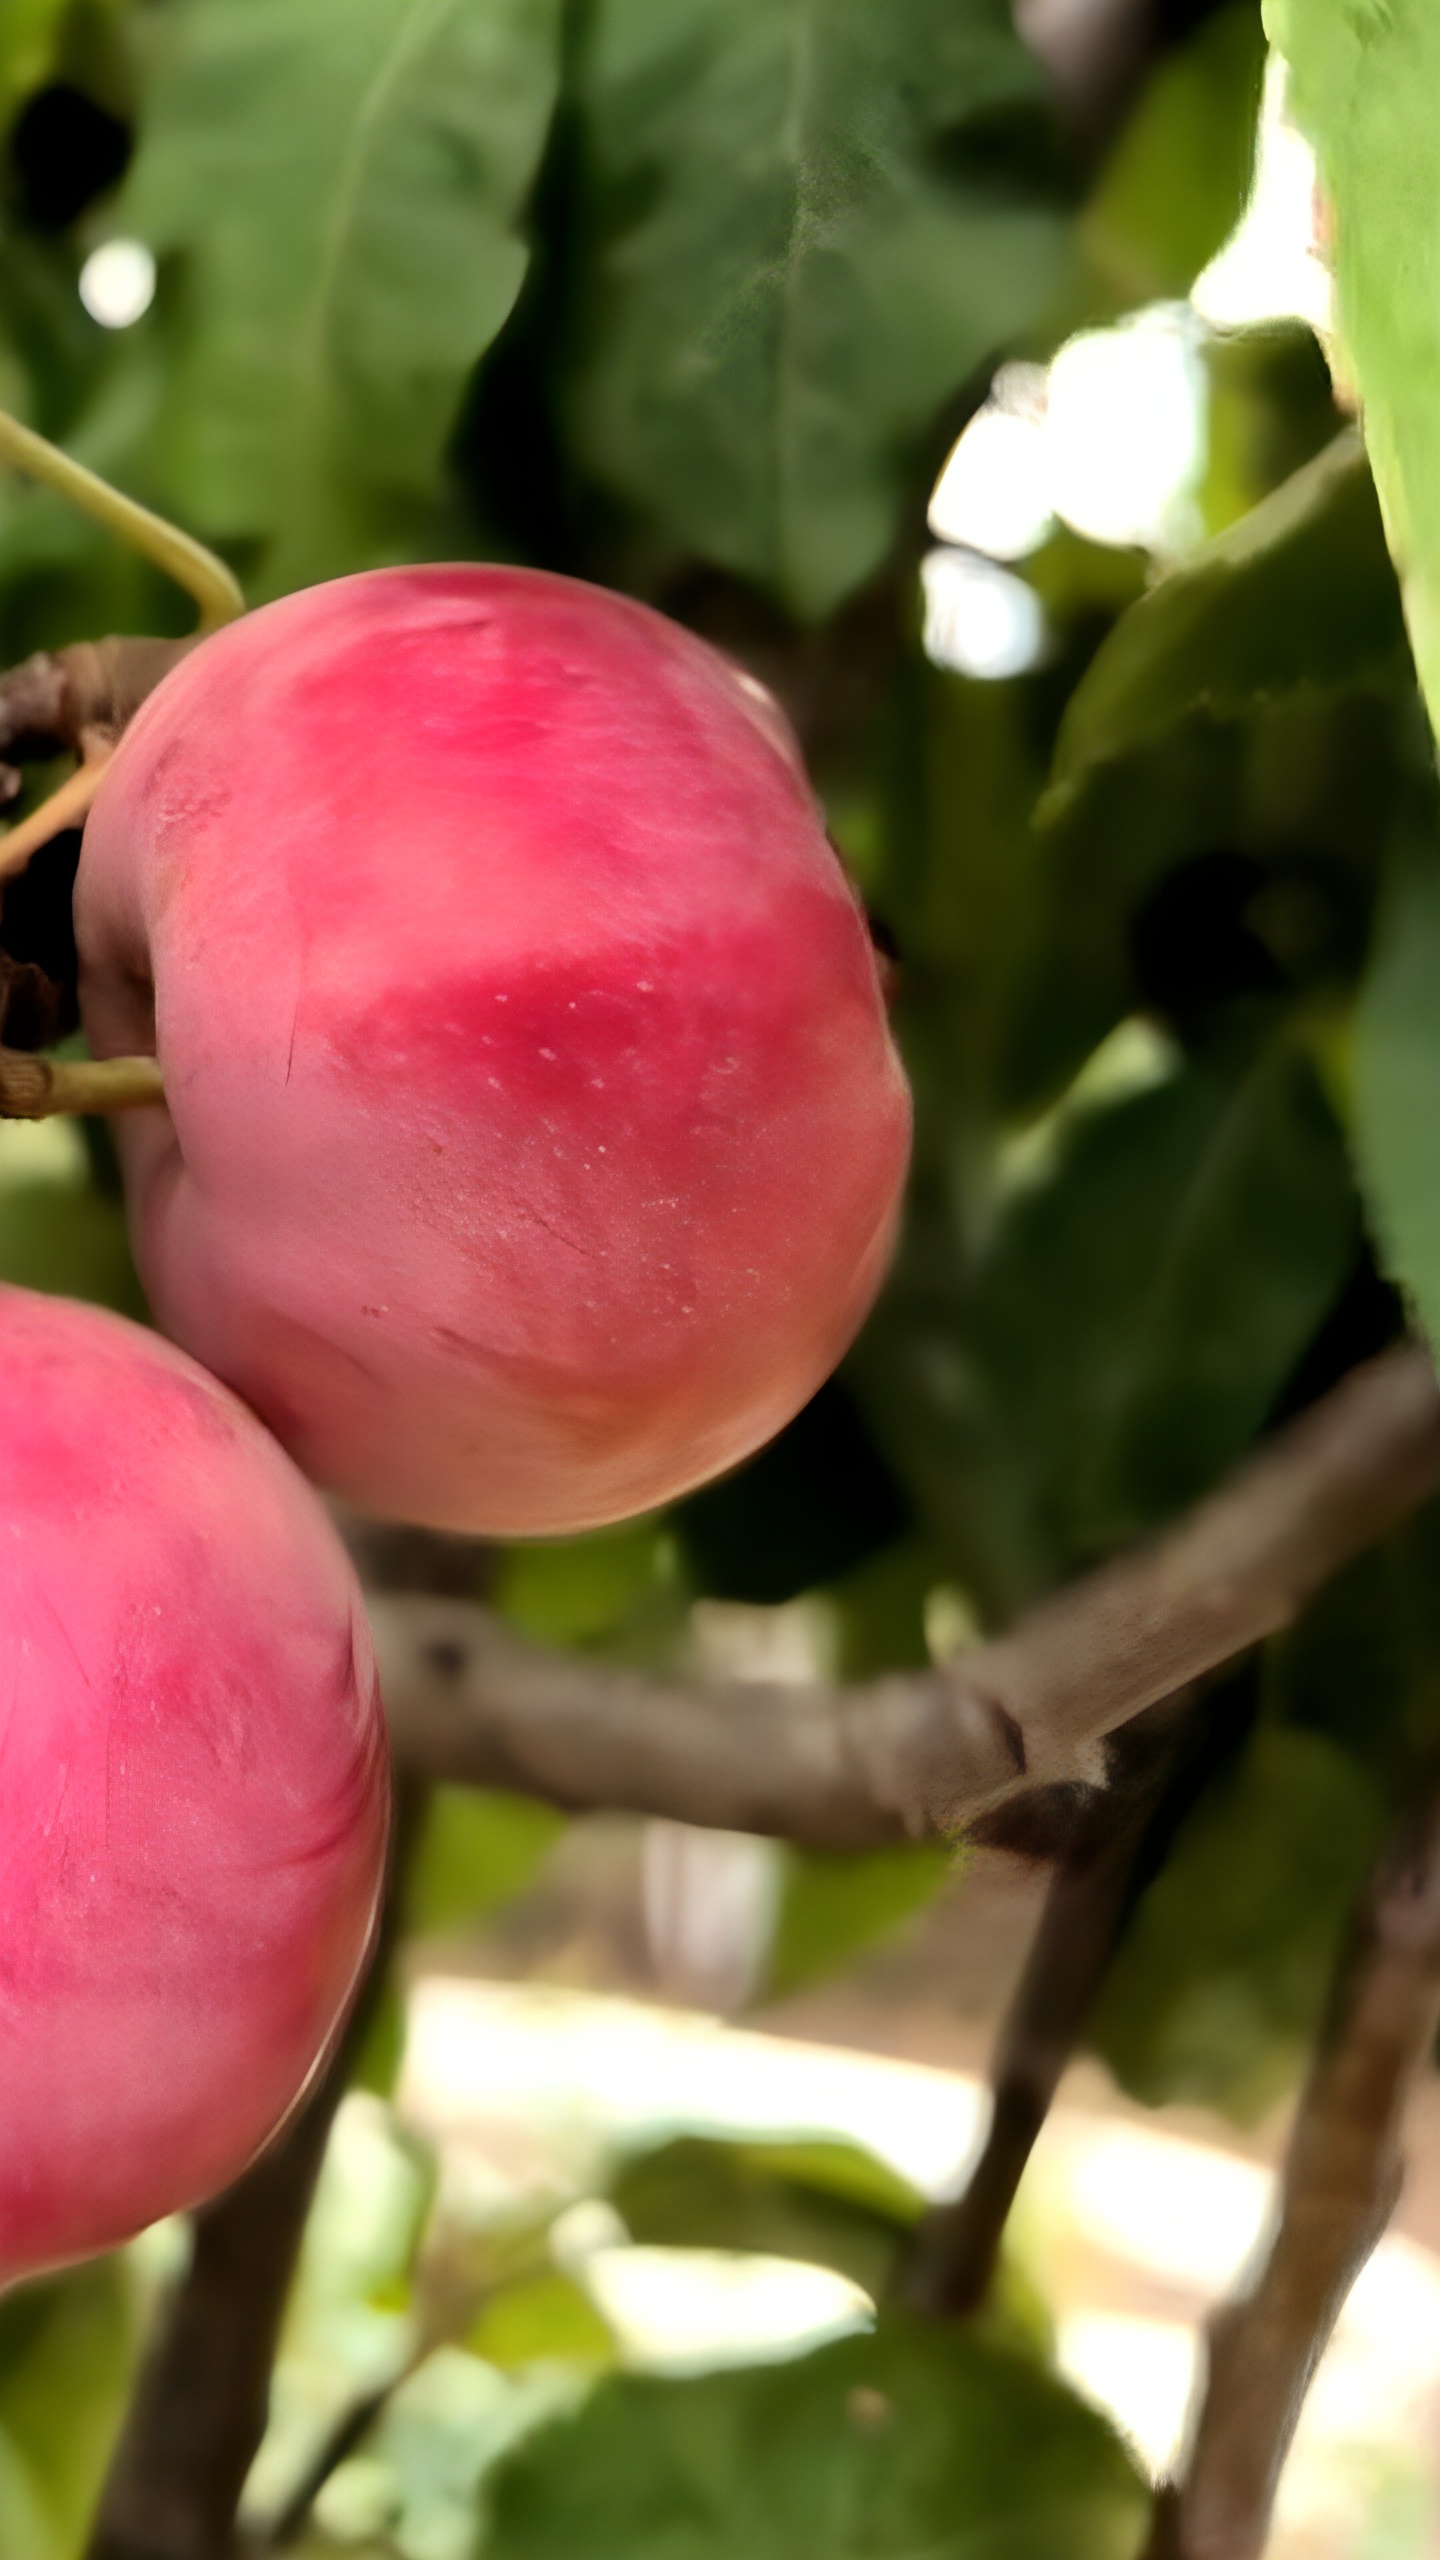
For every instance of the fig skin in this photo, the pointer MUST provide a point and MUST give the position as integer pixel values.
(194, 1782)
(534, 1135)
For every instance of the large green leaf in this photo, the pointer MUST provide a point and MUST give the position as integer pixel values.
(916, 2443)
(66, 2348)
(1219, 1986)
(1300, 592)
(1397, 1075)
(1366, 87)
(805, 224)
(1154, 1281)
(342, 182)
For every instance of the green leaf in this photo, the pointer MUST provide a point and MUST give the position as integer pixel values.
(545, 2318)
(478, 1850)
(1218, 1989)
(805, 224)
(912, 2441)
(832, 1906)
(1175, 183)
(58, 1231)
(1299, 592)
(1365, 86)
(1165, 1256)
(607, 1587)
(343, 183)
(30, 33)
(828, 2204)
(66, 2349)
(1397, 1074)
(1362, 1665)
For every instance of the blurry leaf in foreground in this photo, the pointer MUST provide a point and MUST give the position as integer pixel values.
(546, 2318)
(1300, 591)
(908, 2441)
(803, 228)
(1365, 84)
(1220, 1983)
(1397, 1075)
(827, 2203)
(833, 1906)
(1175, 183)
(344, 180)
(66, 2347)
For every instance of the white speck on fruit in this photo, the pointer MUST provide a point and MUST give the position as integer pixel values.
(548, 1053)
(645, 986)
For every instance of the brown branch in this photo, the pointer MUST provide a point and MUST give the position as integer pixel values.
(202, 2401)
(203, 2398)
(36, 1088)
(1092, 1891)
(75, 701)
(919, 1754)
(1342, 2175)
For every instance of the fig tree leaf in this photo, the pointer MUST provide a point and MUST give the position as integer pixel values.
(1397, 1075)
(1175, 183)
(912, 2440)
(67, 2345)
(805, 224)
(1219, 1985)
(1299, 592)
(1365, 87)
(340, 187)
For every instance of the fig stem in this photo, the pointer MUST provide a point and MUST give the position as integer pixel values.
(35, 1088)
(213, 586)
(67, 806)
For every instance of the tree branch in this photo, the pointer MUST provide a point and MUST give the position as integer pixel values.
(203, 2398)
(1341, 2179)
(919, 1754)
(1092, 1891)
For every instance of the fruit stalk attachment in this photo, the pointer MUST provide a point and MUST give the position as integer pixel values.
(35, 1088)
(202, 575)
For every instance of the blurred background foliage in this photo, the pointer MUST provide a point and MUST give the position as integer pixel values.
(694, 297)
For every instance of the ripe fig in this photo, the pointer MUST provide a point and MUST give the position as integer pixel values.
(534, 1132)
(194, 1782)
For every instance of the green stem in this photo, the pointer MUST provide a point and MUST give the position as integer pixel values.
(214, 587)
